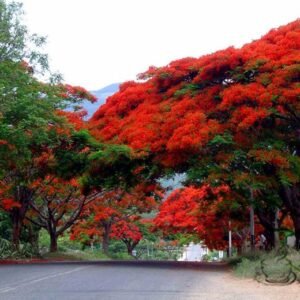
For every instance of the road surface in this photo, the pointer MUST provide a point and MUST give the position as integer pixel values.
(104, 281)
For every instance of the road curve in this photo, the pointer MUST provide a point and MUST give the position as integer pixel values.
(127, 281)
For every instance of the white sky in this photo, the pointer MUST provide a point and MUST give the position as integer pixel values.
(94, 43)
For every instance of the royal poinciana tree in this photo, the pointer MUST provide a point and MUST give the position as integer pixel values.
(57, 206)
(115, 209)
(32, 151)
(206, 212)
(31, 125)
(128, 232)
(231, 117)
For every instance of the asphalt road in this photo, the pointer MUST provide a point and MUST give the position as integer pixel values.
(101, 282)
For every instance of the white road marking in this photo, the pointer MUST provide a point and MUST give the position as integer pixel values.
(11, 288)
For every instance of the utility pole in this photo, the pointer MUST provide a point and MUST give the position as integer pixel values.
(252, 230)
(276, 230)
(229, 240)
(147, 248)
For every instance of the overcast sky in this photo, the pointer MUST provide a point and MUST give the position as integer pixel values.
(94, 43)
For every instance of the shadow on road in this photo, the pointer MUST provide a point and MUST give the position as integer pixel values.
(209, 266)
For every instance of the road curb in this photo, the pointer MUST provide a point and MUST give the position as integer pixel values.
(134, 263)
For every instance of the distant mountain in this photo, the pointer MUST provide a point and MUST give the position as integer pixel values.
(173, 183)
(101, 94)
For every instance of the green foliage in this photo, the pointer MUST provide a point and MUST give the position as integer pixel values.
(211, 256)
(284, 180)
(188, 88)
(294, 162)
(83, 137)
(44, 239)
(111, 154)
(247, 75)
(71, 159)
(183, 239)
(7, 250)
(117, 250)
(28, 107)
(15, 38)
(222, 140)
(247, 268)
(270, 143)
(73, 255)
(35, 140)
(25, 116)
(65, 244)
(147, 233)
(114, 166)
(5, 225)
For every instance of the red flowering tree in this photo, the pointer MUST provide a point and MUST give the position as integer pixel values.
(30, 126)
(58, 205)
(128, 232)
(229, 117)
(37, 140)
(116, 209)
(207, 212)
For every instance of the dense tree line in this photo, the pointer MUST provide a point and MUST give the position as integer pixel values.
(229, 121)
(51, 168)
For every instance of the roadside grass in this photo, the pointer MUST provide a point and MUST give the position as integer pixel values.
(69, 250)
(249, 265)
(73, 250)
(90, 255)
(76, 255)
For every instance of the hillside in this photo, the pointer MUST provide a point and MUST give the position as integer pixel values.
(101, 95)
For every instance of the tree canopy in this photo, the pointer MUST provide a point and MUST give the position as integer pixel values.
(230, 117)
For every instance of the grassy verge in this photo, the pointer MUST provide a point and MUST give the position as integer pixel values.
(247, 266)
(76, 255)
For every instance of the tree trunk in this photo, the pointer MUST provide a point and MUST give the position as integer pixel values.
(252, 225)
(270, 238)
(129, 249)
(291, 199)
(53, 242)
(53, 239)
(130, 245)
(16, 230)
(266, 218)
(105, 238)
(239, 250)
(23, 196)
(105, 244)
(33, 237)
(296, 221)
(276, 230)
